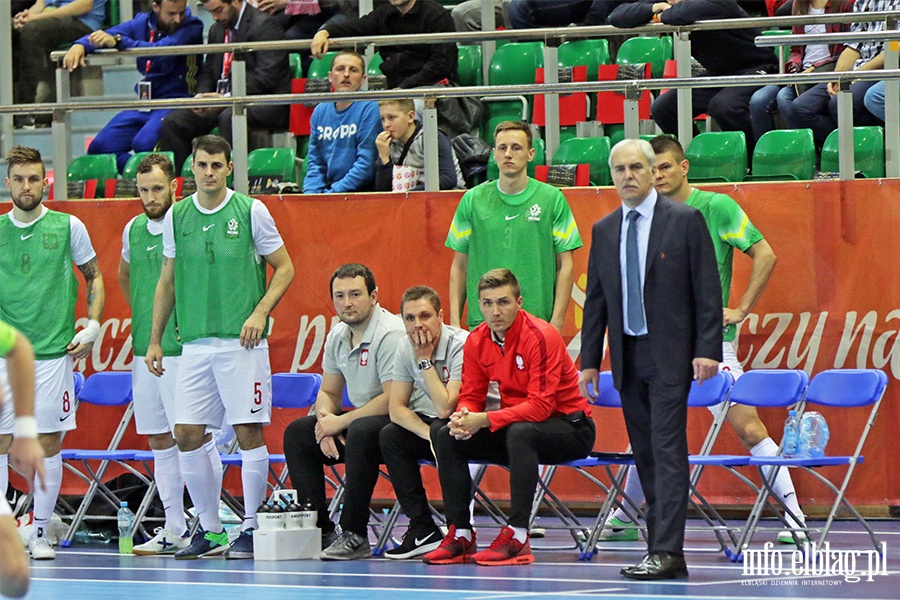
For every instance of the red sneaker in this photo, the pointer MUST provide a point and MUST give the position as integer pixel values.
(452, 550)
(505, 550)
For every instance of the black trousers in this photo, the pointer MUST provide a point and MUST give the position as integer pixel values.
(362, 456)
(31, 53)
(402, 450)
(522, 447)
(180, 127)
(656, 420)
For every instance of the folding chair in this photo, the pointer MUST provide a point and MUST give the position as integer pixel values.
(835, 388)
(109, 389)
(711, 393)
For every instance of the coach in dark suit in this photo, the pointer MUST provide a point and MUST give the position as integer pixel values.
(653, 284)
(267, 73)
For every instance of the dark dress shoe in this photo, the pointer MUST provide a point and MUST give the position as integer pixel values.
(658, 565)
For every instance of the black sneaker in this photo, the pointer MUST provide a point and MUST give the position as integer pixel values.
(415, 544)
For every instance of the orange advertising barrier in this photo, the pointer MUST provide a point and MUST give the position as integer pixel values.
(832, 302)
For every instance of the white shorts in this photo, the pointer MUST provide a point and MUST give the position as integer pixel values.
(54, 399)
(234, 385)
(5, 510)
(731, 364)
(154, 397)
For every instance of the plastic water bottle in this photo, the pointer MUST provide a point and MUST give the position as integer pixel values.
(126, 521)
(791, 439)
(814, 434)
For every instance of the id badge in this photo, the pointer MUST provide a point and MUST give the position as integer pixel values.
(145, 93)
(223, 87)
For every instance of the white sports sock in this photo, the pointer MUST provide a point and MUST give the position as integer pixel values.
(215, 459)
(783, 485)
(203, 486)
(170, 487)
(254, 475)
(466, 534)
(45, 499)
(4, 474)
(520, 534)
(634, 491)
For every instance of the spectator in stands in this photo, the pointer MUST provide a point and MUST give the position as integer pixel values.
(875, 100)
(720, 51)
(359, 358)
(427, 378)
(816, 108)
(517, 223)
(467, 15)
(168, 23)
(37, 31)
(341, 155)
(529, 14)
(803, 59)
(301, 19)
(403, 66)
(268, 72)
(542, 420)
(401, 151)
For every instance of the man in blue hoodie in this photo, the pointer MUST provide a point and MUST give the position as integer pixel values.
(342, 149)
(168, 23)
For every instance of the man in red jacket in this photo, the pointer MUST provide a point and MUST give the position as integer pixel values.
(542, 419)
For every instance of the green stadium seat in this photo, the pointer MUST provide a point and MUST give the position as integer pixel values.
(268, 167)
(868, 153)
(590, 53)
(374, 68)
(540, 158)
(296, 65)
(784, 155)
(593, 151)
(718, 156)
(319, 67)
(515, 63)
(99, 167)
(130, 171)
(470, 71)
(653, 50)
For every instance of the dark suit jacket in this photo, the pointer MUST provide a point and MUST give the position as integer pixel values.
(267, 72)
(682, 293)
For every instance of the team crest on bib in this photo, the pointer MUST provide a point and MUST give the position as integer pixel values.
(534, 213)
(50, 241)
(364, 357)
(232, 228)
(520, 362)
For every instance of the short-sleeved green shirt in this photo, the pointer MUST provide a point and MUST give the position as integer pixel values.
(522, 232)
(7, 338)
(730, 228)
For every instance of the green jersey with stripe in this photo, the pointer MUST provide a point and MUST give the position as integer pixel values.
(522, 232)
(145, 265)
(219, 278)
(38, 287)
(7, 338)
(730, 228)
